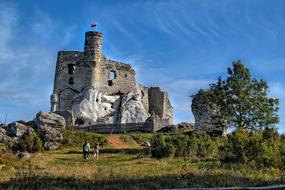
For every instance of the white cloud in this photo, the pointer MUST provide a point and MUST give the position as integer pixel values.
(7, 20)
(27, 61)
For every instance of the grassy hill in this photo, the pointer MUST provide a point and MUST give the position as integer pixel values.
(123, 164)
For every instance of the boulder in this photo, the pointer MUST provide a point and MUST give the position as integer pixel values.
(49, 119)
(16, 129)
(51, 134)
(23, 155)
(4, 138)
(146, 144)
(51, 145)
(205, 114)
(68, 116)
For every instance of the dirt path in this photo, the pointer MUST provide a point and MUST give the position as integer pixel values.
(117, 142)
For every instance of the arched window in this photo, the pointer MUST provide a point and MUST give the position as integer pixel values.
(112, 75)
(71, 69)
(110, 82)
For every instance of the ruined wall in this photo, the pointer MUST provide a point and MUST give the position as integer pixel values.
(71, 76)
(117, 77)
(159, 104)
(156, 101)
(167, 118)
(143, 91)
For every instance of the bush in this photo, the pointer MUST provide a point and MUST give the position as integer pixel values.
(166, 151)
(198, 145)
(161, 149)
(30, 143)
(259, 149)
(202, 146)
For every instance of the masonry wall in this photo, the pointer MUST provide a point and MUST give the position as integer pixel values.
(156, 101)
(144, 96)
(167, 118)
(124, 80)
(159, 104)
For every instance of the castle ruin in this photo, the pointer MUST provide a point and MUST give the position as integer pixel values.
(98, 91)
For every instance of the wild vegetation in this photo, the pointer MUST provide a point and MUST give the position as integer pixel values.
(194, 161)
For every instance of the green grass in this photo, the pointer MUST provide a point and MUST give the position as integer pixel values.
(127, 168)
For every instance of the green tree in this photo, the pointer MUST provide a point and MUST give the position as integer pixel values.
(247, 100)
(240, 101)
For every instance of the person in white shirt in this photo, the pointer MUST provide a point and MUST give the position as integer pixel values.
(96, 151)
(86, 149)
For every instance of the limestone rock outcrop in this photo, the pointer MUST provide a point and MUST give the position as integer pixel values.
(17, 129)
(202, 112)
(132, 109)
(4, 138)
(92, 106)
(205, 114)
(51, 145)
(68, 116)
(51, 134)
(45, 126)
(49, 119)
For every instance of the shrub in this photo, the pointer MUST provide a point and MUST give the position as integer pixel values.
(259, 148)
(30, 143)
(198, 145)
(234, 149)
(181, 144)
(161, 149)
(202, 146)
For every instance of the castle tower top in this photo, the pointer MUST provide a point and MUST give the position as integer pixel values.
(93, 46)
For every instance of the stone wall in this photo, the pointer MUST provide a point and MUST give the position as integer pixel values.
(121, 128)
(156, 101)
(143, 91)
(116, 77)
(167, 118)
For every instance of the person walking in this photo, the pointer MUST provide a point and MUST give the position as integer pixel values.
(96, 151)
(86, 149)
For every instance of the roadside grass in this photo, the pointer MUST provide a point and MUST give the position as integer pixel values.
(127, 168)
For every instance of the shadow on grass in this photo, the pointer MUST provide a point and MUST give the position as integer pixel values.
(111, 150)
(157, 182)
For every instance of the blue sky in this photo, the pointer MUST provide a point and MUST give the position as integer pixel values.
(179, 45)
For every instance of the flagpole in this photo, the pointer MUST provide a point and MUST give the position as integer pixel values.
(5, 119)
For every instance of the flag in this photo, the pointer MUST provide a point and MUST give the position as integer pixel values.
(93, 25)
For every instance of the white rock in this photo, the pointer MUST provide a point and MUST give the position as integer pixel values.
(91, 106)
(51, 134)
(132, 110)
(23, 155)
(51, 145)
(16, 129)
(50, 119)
